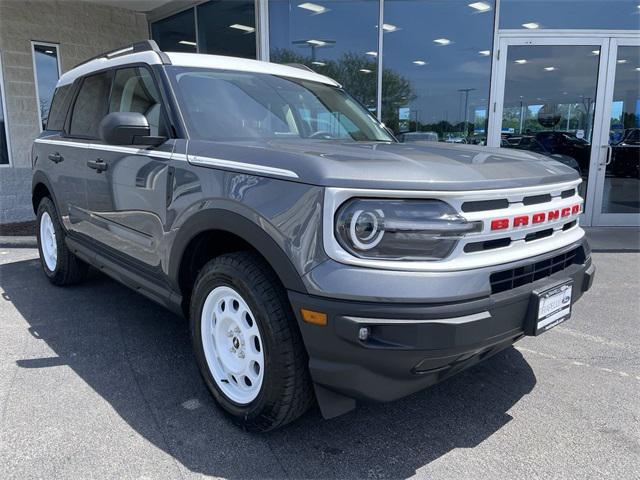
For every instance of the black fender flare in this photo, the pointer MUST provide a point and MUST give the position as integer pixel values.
(40, 177)
(237, 224)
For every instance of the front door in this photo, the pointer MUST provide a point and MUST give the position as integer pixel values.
(617, 191)
(553, 96)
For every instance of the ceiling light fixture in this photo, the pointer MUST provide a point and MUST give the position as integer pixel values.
(622, 60)
(531, 25)
(521, 61)
(480, 6)
(320, 64)
(595, 52)
(420, 62)
(442, 41)
(317, 43)
(48, 51)
(313, 7)
(388, 27)
(244, 28)
(372, 53)
(365, 70)
(549, 69)
(485, 53)
(187, 42)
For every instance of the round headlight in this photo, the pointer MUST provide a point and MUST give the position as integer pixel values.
(366, 228)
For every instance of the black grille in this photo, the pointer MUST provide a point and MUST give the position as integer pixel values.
(516, 277)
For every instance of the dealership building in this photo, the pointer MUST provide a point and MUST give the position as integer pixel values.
(557, 77)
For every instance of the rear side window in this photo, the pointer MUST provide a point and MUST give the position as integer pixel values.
(91, 105)
(134, 91)
(59, 107)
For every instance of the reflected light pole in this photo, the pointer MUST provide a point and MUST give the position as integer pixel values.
(466, 105)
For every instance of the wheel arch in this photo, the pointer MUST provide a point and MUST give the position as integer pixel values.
(208, 223)
(40, 188)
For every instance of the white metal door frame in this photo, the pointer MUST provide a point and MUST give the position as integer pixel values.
(599, 218)
(499, 69)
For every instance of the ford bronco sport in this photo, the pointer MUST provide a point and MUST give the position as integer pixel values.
(316, 257)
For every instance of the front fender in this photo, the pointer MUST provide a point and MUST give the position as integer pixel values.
(237, 224)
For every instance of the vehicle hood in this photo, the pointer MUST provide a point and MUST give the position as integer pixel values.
(437, 166)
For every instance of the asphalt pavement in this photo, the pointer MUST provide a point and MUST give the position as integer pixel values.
(98, 382)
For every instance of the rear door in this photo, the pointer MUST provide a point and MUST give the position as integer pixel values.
(129, 191)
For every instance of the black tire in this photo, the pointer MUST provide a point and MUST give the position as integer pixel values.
(286, 391)
(68, 269)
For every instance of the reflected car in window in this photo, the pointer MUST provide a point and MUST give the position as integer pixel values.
(625, 155)
(533, 145)
(418, 137)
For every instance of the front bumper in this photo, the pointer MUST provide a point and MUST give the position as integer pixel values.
(412, 345)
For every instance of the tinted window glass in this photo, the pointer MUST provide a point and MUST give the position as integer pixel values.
(565, 14)
(337, 38)
(45, 58)
(134, 91)
(91, 105)
(437, 65)
(176, 33)
(59, 107)
(227, 27)
(222, 105)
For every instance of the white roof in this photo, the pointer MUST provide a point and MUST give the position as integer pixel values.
(196, 60)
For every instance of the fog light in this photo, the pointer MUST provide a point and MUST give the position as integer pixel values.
(363, 333)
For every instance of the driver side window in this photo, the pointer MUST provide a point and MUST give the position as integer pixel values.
(134, 91)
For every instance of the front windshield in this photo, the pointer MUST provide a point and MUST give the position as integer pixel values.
(227, 105)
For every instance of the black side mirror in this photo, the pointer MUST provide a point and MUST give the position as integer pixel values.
(127, 128)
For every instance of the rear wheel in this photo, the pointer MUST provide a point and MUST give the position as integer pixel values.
(247, 343)
(58, 263)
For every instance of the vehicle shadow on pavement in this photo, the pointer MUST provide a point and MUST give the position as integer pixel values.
(137, 357)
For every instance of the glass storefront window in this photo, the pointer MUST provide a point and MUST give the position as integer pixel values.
(622, 180)
(337, 38)
(227, 27)
(45, 61)
(436, 69)
(176, 33)
(568, 14)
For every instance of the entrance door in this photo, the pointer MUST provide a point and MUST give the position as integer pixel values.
(557, 96)
(617, 191)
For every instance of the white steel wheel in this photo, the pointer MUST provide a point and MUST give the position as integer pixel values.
(48, 242)
(232, 345)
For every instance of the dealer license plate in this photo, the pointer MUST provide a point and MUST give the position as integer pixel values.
(554, 307)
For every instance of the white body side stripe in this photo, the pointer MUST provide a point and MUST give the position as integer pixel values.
(195, 160)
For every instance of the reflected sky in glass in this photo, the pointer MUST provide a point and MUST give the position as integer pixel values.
(566, 14)
(46, 61)
(442, 49)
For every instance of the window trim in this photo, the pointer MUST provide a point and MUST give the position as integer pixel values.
(5, 116)
(35, 72)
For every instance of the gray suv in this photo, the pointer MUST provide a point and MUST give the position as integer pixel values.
(316, 257)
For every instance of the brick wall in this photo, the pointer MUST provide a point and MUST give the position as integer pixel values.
(82, 30)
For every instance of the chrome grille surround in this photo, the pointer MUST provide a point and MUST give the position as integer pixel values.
(517, 249)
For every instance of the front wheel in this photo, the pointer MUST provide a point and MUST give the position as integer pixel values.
(247, 343)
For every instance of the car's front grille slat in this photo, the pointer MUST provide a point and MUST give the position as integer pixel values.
(516, 277)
